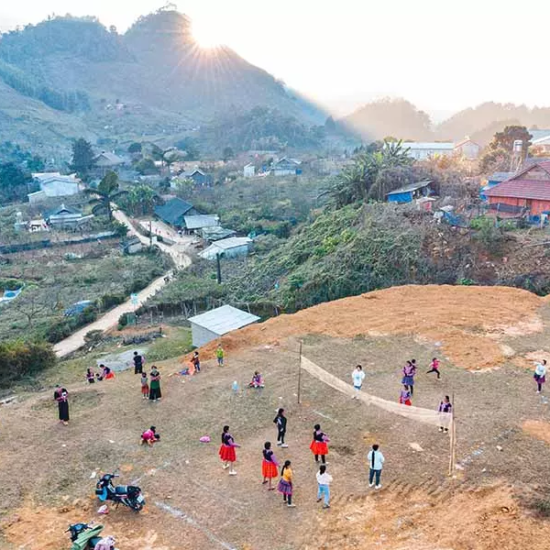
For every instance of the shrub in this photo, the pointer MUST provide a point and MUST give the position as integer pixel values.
(20, 359)
(111, 300)
(93, 336)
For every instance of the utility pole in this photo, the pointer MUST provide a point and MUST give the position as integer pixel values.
(151, 233)
(219, 268)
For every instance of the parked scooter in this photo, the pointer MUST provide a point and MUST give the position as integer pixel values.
(128, 495)
(86, 537)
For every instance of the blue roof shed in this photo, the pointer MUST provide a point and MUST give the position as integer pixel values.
(410, 192)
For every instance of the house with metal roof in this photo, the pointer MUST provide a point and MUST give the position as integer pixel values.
(198, 176)
(67, 217)
(227, 248)
(410, 192)
(54, 184)
(425, 150)
(200, 221)
(528, 189)
(174, 211)
(213, 324)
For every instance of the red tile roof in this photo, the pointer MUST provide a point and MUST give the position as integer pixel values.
(521, 189)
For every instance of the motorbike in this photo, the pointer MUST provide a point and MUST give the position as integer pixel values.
(85, 536)
(128, 495)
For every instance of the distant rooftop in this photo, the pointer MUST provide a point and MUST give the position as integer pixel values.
(224, 319)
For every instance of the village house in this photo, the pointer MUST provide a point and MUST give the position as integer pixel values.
(408, 193)
(249, 171)
(67, 217)
(425, 150)
(106, 162)
(200, 221)
(529, 189)
(198, 176)
(53, 184)
(174, 211)
(286, 167)
(232, 247)
(467, 149)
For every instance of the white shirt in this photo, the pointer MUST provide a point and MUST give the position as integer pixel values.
(358, 377)
(324, 479)
(378, 460)
(540, 369)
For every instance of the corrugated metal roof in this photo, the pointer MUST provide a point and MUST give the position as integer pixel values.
(447, 146)
(173, 211)
(224, 319)
(201, 220)
(521, 189)
(410, 187)
(232, 242)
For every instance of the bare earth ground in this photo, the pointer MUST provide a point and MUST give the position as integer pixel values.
(503, 428)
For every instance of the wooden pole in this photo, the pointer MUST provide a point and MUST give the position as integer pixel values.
(452, 438)
(300, 375)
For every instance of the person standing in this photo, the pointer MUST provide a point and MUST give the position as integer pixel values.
(196, 361)
(280, 421)
(61, 395)
(445, 410)
(376, 462)
(154, 386)
(285, 486)
(227, 451)
(319, 445)
(220, 355)
(540, 374)
(139, 360)
(269, 466)
(434, 367)
(144, 386)
(409, 371)
(358, 376)
(324, 479)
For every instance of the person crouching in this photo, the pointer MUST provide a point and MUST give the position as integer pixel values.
(150, 436)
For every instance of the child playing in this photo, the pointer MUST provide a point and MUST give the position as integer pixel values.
(280, 421)
(196, 362)
(150, 436)
(269, 466)
(108, 374)
(405, 396)
(220, 355)
(144, 386)
(257, 381)
(285, 484)
(409, 371)
(540, 374)
(434, 367)
(90, 376)
(319, 445)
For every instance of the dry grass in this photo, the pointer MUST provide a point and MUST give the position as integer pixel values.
(417, 505)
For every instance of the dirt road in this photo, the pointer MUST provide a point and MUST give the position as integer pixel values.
(110, 319)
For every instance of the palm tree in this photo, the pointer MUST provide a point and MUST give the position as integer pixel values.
(106, 193)
(142, 199)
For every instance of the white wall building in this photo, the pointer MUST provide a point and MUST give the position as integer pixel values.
(468, 149)
(424, 150)
(215, 323)
(229, 248)
(53, 184)
(249, 171)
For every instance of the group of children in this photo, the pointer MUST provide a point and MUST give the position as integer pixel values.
(105, 374)
(409, 372)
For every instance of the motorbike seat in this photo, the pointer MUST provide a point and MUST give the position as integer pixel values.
(121, 490)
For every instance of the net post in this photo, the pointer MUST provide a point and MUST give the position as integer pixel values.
(452, 439)
(300, 375)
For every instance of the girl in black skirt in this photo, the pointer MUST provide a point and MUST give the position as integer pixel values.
(61, 395)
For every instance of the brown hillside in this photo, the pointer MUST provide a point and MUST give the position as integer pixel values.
(466, 321)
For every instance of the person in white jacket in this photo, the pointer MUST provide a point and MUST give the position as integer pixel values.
(324, 479)
(540, 374)
(376, 462)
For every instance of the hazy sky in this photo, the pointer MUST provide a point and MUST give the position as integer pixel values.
(440, 54)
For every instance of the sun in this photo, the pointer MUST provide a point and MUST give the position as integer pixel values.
(208, 34)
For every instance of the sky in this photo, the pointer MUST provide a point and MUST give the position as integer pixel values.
(441, 55)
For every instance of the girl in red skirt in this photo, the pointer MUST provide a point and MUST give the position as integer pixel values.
(319, 445)
(227, 451)
(269, 466)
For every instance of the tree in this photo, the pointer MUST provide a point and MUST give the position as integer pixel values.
(106, 193)
(135, 148)
(372, 175)
(83, 157)
(147, 167)
(13, 182)
(142, 199)
(228, 154)
(189, 145)
(505, 139)
(31, 304)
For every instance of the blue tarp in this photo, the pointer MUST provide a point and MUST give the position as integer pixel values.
(401, 197)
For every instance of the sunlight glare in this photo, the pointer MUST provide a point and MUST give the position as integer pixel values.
(208, 34)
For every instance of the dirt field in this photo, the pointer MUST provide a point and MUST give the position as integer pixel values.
(45, 468)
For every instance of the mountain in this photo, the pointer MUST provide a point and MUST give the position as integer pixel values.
(153, 80)
(390, 117)
(400, 118)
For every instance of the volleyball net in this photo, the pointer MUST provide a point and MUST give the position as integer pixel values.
(426, 416)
